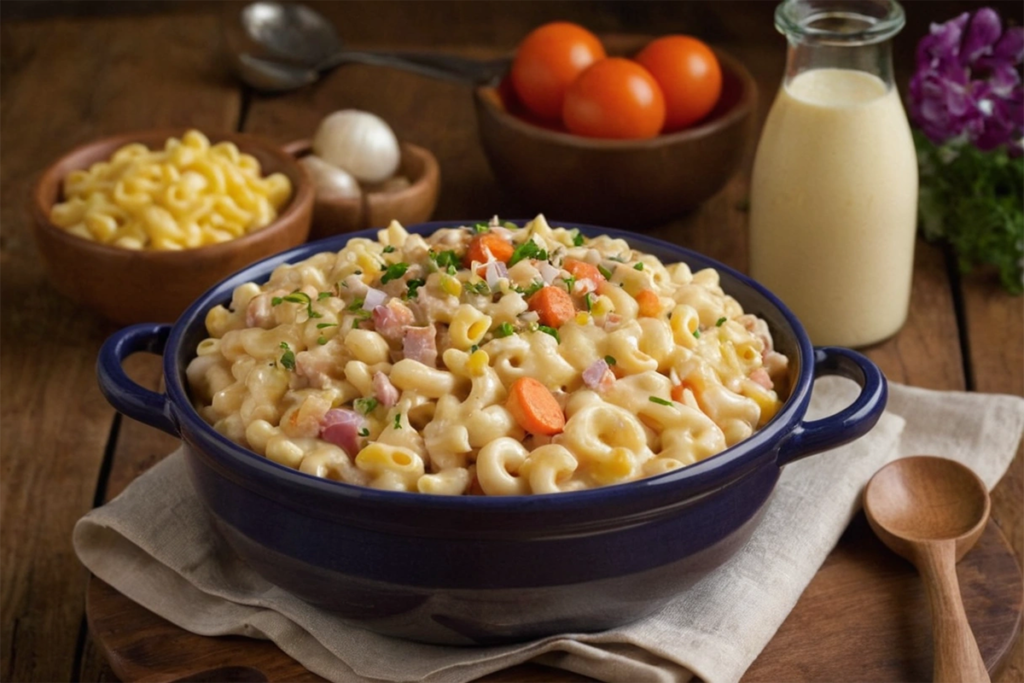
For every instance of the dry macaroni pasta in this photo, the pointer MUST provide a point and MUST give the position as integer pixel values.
(189, 194)
(397, 363)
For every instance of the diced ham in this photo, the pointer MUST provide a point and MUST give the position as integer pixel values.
(391, 319)
(384, 391)
(260, 312)
(341, 428)
(760, 376)
(598, 376)
(420, 344)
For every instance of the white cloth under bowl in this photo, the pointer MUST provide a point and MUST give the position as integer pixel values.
(154, 543)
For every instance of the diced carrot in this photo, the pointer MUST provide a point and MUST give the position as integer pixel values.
(650, 304)
(581, 270)
(553, 305)
(677, 391)
(499, 247)
(534, 407)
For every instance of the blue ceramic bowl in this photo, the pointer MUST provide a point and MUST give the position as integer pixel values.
(474, 569)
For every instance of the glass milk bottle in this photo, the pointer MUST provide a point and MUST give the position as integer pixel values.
(833, 204)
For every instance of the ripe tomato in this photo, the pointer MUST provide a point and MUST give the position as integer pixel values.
(614, 98)
(548, 60)
(689, 75)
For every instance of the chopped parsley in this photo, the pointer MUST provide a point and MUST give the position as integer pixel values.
(365, 405)
(569, 282)
(388, 249)
(364, 432)
(639, 265)
(356, 305)
(445, 259)
(549, 330)
(414, 286)
(659, 401)
(321, 326)
(481, 227)
(474, 348)
(610, 360)
(604, 271)
(577, 238)
(504, 330)
(720, 321)
(531, 290)
(528, 249)
(481, 287)
(398, 420)
(393, 272)
(288, 357)
(323, 295)
(696, 334)
(587, 302)
(298, 298)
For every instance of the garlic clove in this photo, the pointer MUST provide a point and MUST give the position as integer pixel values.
(330, 182)
(359, 142)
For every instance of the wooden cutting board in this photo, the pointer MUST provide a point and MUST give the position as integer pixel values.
(863, 617)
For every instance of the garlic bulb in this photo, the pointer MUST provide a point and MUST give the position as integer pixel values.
(330, 182)
(359, 142)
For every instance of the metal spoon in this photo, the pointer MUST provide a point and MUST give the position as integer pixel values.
(931, 511)
(287, 46)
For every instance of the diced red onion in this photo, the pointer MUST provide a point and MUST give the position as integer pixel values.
(496, 270)
(592, 375)
(548, 272)
(373, 299)
(341, 428)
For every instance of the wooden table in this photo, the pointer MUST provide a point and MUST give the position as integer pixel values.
(105, 68)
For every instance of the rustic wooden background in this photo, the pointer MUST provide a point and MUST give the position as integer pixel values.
(73, 71)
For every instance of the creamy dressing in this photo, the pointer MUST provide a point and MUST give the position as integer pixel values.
(834, 206)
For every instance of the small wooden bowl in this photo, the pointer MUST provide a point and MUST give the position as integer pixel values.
(621, 183)
(376, 209)
(128, 286)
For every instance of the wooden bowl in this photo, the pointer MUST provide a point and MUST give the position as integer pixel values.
(128, 286)
(376, 209)
(621, 183)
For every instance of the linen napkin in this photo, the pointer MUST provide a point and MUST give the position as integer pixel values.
(154, 543)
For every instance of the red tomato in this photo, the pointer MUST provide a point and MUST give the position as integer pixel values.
(689, 75)
(615, 98)
(548, 60)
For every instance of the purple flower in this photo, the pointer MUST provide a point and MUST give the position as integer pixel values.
(967, 85)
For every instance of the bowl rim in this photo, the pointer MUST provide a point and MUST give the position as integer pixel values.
(675, 487)
(302, 196)
(431, 172)
(743, 107)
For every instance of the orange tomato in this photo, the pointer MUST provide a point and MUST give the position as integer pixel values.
(689, 75)
(547, 61)
(614, 98)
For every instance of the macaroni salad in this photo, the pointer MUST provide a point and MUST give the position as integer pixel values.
(486, 359)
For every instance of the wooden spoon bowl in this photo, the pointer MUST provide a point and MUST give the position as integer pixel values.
(931, 511)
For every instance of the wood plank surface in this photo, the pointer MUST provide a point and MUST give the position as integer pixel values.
(68, 82)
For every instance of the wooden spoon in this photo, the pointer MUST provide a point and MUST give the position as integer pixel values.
(931, 511)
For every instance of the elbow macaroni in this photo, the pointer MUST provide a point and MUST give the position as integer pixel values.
(190, 194)
(426, 373)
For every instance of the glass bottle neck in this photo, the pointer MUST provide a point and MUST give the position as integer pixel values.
(875, 59)
(851, 35)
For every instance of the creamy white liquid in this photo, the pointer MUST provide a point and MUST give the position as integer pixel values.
(833, 206)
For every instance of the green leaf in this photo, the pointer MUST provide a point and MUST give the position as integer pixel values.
(388, 249)
(365, 405)
(577, 238)
(288, 357)
(639, 265)
(610, 360)
(528, 249)
(659, 401)
(720, 321)
(393, 272)
(604, 271)
(549, 330)
(414, 286)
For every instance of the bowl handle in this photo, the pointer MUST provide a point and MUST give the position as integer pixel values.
(148, 407)
(848, 424)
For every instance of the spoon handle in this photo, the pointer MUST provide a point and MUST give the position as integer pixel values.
(434, 65)
(957, 658)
